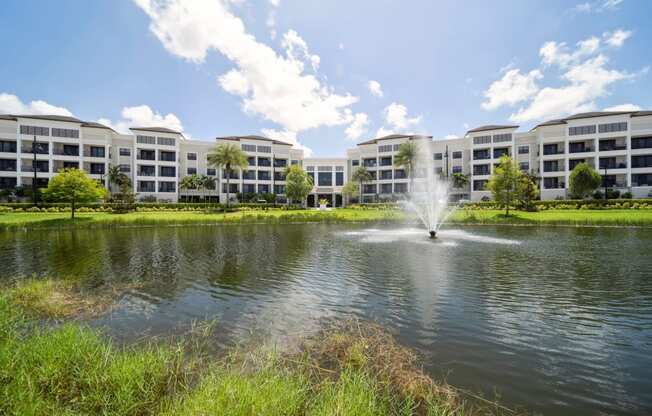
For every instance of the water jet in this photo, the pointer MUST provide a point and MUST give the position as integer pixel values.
(433, 234)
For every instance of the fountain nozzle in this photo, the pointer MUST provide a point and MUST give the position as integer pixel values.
(433, 234)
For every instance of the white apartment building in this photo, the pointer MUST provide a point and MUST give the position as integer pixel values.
(617, 144)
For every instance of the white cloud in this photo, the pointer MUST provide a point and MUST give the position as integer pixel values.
(286, 136)
(451, 136)
(11, 104)
(358, 127)
(598, 6)
(553, 53)
(511, 89)
(396, 115)
(277, 88)
(624, 107)
(340, 46)
(617, 38)
(375, 88)
(275, 3)
(381, 132)
(143, 116)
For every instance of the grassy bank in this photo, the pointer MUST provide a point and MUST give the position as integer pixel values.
(350, 369)
(8, 221)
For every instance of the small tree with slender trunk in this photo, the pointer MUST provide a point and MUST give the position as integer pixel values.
(361, 175)
(406, 158)
(188, 182)
(350, 190)
(584, 180)
(298, 183)
(230, 158)
(73, 186)
(505, 183)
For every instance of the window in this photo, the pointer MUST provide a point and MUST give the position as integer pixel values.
(294, 162)
(192, 171)
(399, 174)
(386, 188)
(69, 150)
(339, 178)
(71, 165)
(264, 149)
(498, 153)
(385, 148)
(233, 188)
(550, 166)
(97, 151)
(611, 144)
(125, 168)
(147, 155)
(40, 166)
(167, 171)
(279, 176)
(479, 170)
(642, 161)
(211, 172)
(166, 141)
(280, 163)
(551, 149)
(576, 131)
(339, 168)
(7, 165)
(35, 130)
(457, 169)
(499, 138)
(386, 161)
(368, 189)
(249, 147)
(400, 188)
(166, 186)
(8, 183)
(482, 140)
(125, 151)
(552, 183)
(264, 175)
(612, 163)
(263, 189)
(146, 170)
(438, 156)
(355, 162)
(249, 188)
(524, 166)
(637, 143)
(146, 186)
(397, 147)
(97, 168)
(249, 175)
(310, 168)
(279, 189)
(251, 160)
(457, 155)
(385, 174)
(325, 179)
(146, 140)
(611, 127)
(264, 161)
(479, 185)
(38, 148)
(7, 146)
(642, 179)
(69, 133)
(191, 156)
(167, 156)
(481, 154)
(324, 168)
(523, 150)
(574, 162)
(369, 163)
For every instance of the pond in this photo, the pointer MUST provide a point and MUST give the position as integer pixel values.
(555, 320)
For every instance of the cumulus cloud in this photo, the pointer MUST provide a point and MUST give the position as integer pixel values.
(273, 86)
(358, 127)
(286, 136)
(512, 88)
(598, 6)
(617, 38)
(142, 116)
(624, 107)
(553, 53)
(396, 115)
(374, 88)
(11, 104)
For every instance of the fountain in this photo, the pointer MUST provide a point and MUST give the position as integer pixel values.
(429, 198)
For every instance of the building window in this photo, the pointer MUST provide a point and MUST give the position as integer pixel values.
(498, 153)
(642, 179)
(166, 186)
(125, 168)
(550, 166)
(167, 156)
(264, 161)
(279, 189)
(68, 133)
(551, 149)
(611, 127)
(168, 171)
(339, 178)
(385, 148)
(385, 174)
(248, 188)
(457, 155)
(399, 174)
(523, 150)
(642, 161)
(146, 140)
(325, 179)
(324, 168)
(552, 183)
(386, 188)
(279, 176)
(146, 170)
(8, 183)
(40, 166)
(397, 147)
(248, 147)
(35, 130)
(482, 140)
(264, 175)
(355, 162)
(457, 169)
(147, 155)
(369, 163)
(97, 168)
(146, 186)
(249, 175)
(97, 151)
(192, 171)
(7, 146)
(479, 170)
(479, 185)
(280, 163)
(499, 138)
(166, 141)
(386, 161)
(7, 165)
(481, 154)
(400, 188)
(369, 189)
(233, 188)
(125, 151)
(637, 143)
(576, 131)
(524, 166)
(264, 149)
(191, 156)
(211, 172)
(438, 156)
(294, 162)
(263, 189)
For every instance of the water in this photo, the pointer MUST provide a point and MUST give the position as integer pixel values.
(556, 320)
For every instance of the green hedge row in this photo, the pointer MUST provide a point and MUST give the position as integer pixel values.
(574, 204)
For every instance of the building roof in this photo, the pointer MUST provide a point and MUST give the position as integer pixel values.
(491, 127)
(97, 125)
(395, 136)
(592, 114)
(156, 129)
(67, 119)
(254, 137)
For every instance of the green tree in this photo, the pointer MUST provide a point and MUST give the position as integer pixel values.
(298, 183)
(505, 183)
(459, 180)
(406, 158)
(228, 157)
(528, 190)
(584, 180)
(74, 186)
(205, 182)
(115, 176)
(350, 190)
(361, 175)
(189, 182)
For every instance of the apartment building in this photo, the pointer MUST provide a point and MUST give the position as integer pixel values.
(617, 144)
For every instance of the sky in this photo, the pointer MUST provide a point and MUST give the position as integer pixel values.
(323, 75)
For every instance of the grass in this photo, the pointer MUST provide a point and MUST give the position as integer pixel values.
(349, 369)
(628, 217)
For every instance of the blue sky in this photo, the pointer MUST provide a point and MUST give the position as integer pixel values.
(325, 74)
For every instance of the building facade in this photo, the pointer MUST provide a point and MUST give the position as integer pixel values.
(617, 144)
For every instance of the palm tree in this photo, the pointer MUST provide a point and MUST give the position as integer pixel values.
(460, 180)
(228, 157)
(115, 176)
(406, 158)
(205, 182)
(361, 175)
(188, 182)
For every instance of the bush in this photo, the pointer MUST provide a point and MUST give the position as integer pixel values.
(626, 195)
(598, 195)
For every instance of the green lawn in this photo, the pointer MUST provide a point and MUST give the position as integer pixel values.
(550, 217)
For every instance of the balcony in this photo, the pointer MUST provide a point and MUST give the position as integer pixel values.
(147, 172)
(65, 152)
(41, 149)
(481, 155)
(580, 149)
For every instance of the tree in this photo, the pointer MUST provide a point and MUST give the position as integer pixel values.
(505, 183)
(189, 182)
(350, 190)
(298, 183)
(528, 190)
(205, 182)
(406, 158)
(584, 180)
(228, 157)
(74, 186)
(459, 180)
(115, 176)
(361, 175)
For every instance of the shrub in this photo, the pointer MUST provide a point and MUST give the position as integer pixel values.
(626, 195)
(598, 195)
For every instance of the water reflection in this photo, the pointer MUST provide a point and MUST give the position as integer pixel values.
(558, 320)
